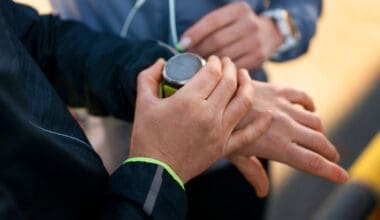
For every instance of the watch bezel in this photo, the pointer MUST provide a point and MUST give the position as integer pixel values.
(179, 83)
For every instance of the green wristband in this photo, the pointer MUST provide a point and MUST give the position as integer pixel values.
(159, 163)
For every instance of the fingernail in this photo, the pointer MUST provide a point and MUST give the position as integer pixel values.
(184, 43)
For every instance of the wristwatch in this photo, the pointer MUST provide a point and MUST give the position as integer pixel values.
(178, 71)
(287, 28)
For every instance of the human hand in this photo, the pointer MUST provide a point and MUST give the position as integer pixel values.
(295, 138)
(234, 31)
(190, 130)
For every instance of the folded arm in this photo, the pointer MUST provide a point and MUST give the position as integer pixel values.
(88, 69)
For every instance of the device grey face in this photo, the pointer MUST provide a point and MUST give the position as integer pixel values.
(181, 68)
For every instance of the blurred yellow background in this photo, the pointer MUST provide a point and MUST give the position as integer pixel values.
(341, 65)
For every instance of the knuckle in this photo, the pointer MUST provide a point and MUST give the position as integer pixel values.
(316, 162)
(141, 77)
(260, 56)
(326, 148)
(251, 23)
(319, 140)
(243, 6)
(245, 140)
(303, 96)
(230, 86)
(214, 72)
(280, 117)
(231, 83)
(316, 123)
(246, 101)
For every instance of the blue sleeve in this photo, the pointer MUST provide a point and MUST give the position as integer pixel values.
(305, 14)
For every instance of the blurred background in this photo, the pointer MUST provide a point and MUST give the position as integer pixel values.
(341, 72)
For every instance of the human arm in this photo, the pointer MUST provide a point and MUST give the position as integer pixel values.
(189, 130)
(305, 14)
(249, 39)
(87, 69)
(295, 138)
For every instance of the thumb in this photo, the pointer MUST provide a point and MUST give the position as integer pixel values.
(254, 172)
(148, 80)
(248, 135)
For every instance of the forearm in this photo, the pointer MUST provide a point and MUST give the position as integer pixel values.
(305, 14)
(139, 190)
(89, 69)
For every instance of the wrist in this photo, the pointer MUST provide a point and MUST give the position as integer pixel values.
(274, 33)
(157, 162)
(287, 28)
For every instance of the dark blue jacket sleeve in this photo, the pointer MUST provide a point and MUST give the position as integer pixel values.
(88, 69)
(143, 191)
(305, 14)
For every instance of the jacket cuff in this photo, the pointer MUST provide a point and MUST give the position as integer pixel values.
(144, 190)
(158, 163)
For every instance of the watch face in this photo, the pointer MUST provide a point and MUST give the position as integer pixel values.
(181, 68)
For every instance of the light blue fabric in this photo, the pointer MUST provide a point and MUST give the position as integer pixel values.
(152, 19)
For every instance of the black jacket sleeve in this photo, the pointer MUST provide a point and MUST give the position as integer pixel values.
(8, 208)
(143, 191)
(41, 178)
(88, 69)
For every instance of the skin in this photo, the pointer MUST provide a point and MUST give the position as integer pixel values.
(195, 127)
(295, 138)
(245, 37)
(222, 120)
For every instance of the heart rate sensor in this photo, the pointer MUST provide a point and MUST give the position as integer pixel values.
(178, 71)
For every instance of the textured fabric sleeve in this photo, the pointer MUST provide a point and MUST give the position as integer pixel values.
(140, 190)
(88, 69)
(8, 208)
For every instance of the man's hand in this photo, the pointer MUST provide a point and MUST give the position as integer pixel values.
(295, 138)
(190, 130)
(234, 31)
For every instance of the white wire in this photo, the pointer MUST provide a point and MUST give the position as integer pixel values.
(172, 20)
(129, 18)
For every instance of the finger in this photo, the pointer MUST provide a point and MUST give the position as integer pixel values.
(210, 23)
(306, 118)
(250, 133)
(241, 103)
(238, 48)
(227, 86)
(222, 38)
(250, 61)
(254, 173)
(317, 142)
(300, 98)
(315, 164)
(148, 80)
(205, 81)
